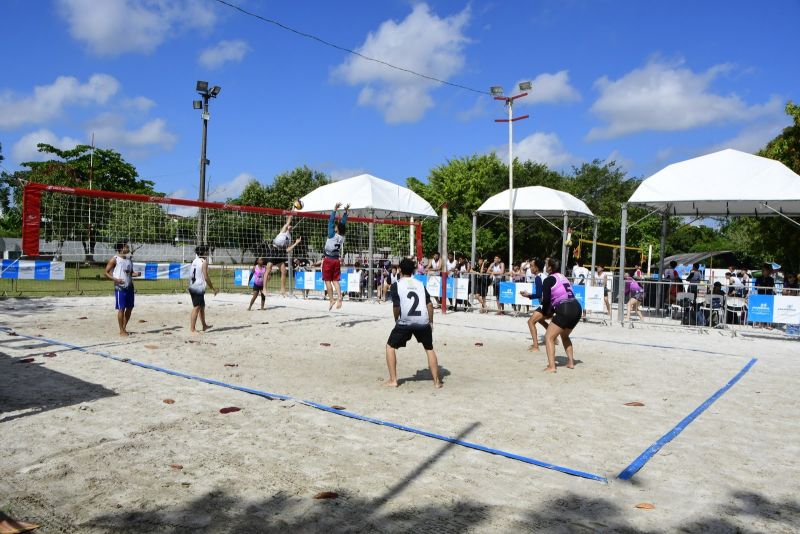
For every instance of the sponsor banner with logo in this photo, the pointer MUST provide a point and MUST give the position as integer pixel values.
(32, 270)
(590, 298)
(760, 308)
(163, 271)
(786, 310)
(433, 284)
(510, 293)
(313, 281)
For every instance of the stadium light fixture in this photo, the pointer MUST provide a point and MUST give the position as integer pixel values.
(206, 94)
(497, 92)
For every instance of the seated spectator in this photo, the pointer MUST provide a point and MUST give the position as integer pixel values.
(765, 284)
(790, 286)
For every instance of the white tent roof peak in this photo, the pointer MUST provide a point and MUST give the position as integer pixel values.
(535, 201)
(728, 182)
(368, 196)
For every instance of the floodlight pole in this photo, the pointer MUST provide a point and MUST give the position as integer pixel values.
(509, 100)
(201, 237)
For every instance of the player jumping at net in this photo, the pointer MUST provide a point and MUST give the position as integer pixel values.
(413, 315)
(282, 245)
(120, 269)
(331, 263)
(199, 282)
(559, 300)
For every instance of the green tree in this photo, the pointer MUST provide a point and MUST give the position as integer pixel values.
(79, 218)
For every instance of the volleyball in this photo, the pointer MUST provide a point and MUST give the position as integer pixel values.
(298, 204)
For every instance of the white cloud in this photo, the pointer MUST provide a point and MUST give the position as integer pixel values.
(182, 211)
(25, 149)
(110, 130)
(223, 52)
(114, 27)
(539, 147)
(668, 97)
(549, 89)
(422, 42)
(231, 189)
(754, 137)
(479, 109)
(48, 101)
(139, 103)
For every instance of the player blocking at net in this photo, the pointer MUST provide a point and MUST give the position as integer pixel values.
(282, 245)
(413, 315)
(331, 262)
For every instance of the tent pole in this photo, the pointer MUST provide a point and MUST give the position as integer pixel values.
(411, 237)
(564, 244)
(621, 288)
(661, 288)
(594, 247)
(443, 259)
(474, 235)
(370, 274)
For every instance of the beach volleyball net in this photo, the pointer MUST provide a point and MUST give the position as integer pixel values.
(79, 225)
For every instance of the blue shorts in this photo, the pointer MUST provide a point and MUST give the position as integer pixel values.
(123, 298)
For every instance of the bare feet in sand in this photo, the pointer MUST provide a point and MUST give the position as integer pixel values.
(207, 326)
(534, 348)
(438, 385)
(570, 364)
(549, 370)
(390, 384)
(123, 334)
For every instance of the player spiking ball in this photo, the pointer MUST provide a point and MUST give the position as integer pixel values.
(281, 246)
(413, 315)
(331, 263)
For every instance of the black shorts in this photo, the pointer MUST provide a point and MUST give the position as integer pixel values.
(198, 299)
(568, 314)
(401, 333)
(481, 286)
(545, 315)
(257, 287)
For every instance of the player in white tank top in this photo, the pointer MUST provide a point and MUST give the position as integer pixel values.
(120, 269)
(198, 282)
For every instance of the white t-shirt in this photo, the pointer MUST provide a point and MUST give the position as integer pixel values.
(412, 298)
(123, 270)
(435, 265)
(197, 279)
(451, 265)
(579, 275)
(282, 240)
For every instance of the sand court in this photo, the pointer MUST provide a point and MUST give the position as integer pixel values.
(99, 440)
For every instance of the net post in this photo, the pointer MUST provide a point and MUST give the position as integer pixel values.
(443, 238)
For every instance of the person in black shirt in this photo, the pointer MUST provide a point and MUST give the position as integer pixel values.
(765, 283)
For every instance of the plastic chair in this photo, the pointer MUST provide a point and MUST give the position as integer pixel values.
(735, 308)
(684, 302)
(712, 306)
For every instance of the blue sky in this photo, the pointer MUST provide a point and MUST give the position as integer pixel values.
(644, 83)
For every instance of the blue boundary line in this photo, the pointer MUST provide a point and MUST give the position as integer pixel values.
(643, 458)
(325, 408)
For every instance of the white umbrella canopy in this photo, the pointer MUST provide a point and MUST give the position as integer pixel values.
(368, 196)
(536, 201)
(728, 182)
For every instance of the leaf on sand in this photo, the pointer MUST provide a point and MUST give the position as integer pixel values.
(231, 365)
(49, 354)
(337, 407)
(142, 321)
(167, 333)
(176, 467)
(82, 318)
(635, 403)
(229, 409)
(125, 360)
(169, 401)
(13, 334)
(478, 344)
(151, 346)
(25, 360)
(192, 341)
(645, 506)
(324, 344)
(9, 525)
(326, 495)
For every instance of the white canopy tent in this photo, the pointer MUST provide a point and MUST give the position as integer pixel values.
(724, 183)
(369, 196)
(537, 201)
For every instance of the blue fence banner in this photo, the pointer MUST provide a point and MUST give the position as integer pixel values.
(580, 295)
(241, 277)
(510, 293)
(312, 281)
(760, 308)
(32, 270)
(163, 271)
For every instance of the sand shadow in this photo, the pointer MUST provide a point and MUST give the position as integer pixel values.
(351, 324)
(218, 511)
(423, 375)
(33, 388)
(561, 361)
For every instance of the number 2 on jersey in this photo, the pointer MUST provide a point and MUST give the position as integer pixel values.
(414, 312)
